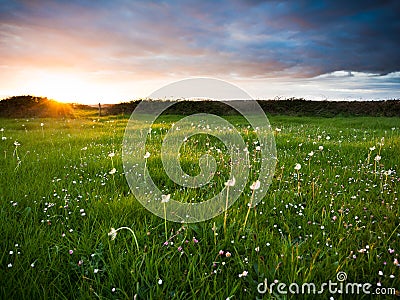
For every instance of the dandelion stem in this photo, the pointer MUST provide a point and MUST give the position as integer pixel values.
(248, 211)
(215, 234)
(17, 156)
(313, 189)
(392, 233)
(298, 182)
(165, 223)
(144, 171)
(112, 165)
(133, 233)
(226, 208)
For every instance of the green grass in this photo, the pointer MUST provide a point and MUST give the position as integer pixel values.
(58, 202)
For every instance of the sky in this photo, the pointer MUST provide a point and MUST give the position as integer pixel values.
(113, 51)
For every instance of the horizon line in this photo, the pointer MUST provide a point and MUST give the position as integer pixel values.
(200, 99)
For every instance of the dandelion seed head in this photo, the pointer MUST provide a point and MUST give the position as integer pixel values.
(165, 198)
(113, 234)
(256, 185)
(231, 182)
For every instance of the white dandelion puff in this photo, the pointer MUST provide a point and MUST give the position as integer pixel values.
(256, 185)
(231, 182)
(165, 198)
(113, 234)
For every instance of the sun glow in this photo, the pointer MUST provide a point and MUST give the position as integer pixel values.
(64, 88)
(86, 88)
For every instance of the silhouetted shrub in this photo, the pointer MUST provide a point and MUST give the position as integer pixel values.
(29, 106)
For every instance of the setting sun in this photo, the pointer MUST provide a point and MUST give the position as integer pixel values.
(86, 88)
(63, 87)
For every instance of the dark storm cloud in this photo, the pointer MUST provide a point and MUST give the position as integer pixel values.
(299, 38)
(350, 35)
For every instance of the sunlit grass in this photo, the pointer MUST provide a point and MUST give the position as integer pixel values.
(61, 192)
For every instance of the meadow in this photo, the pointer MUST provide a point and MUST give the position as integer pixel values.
(332, 207)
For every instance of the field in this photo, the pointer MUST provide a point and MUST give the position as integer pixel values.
(60, 197)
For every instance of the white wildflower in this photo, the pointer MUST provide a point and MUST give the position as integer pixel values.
(231, 182)
(256, 185)
(113, 234)
(165, 198)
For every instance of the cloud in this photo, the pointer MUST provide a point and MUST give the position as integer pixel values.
(144, 40)
(338, 85)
